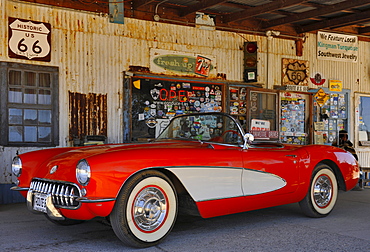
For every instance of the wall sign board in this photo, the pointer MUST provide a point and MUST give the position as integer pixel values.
(29, 40)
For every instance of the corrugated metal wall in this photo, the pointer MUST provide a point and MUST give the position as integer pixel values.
(92, 55)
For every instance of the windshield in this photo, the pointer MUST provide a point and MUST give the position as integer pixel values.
(212, 127)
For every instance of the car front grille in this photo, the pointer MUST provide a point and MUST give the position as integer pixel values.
(63, 194)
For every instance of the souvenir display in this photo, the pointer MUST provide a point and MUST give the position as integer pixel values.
(155, 102)
(334, 116)
(293, 117)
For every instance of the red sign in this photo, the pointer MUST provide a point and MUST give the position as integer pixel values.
(264, 134)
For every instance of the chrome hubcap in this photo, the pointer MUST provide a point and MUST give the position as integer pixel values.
(150, 209)
(322, 192)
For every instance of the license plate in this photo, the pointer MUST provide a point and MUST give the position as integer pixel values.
(39, 202)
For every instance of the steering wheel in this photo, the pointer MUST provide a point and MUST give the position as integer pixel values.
(233, 131)
(230, 138)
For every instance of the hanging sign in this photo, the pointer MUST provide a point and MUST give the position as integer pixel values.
(321, 97)
(29, 40)
(338, 47)
(116, 11)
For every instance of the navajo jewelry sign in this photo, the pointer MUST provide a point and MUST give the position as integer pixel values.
(29, 40)
(337, 47)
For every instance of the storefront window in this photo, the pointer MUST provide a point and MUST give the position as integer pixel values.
(256, 110)
(364, 119)
(30, 105)
(155, 101)
(263, 107)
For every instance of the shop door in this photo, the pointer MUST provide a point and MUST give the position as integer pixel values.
(331, 117)
(256, 109)
(294, 117)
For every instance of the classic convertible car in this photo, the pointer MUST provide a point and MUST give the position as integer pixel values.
(201, 164)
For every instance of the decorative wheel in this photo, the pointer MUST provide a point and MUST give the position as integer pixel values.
(322, 194)
(146, 210)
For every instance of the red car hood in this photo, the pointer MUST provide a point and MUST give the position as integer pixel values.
(67, 160)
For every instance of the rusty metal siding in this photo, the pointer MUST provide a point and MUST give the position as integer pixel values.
(88, 115)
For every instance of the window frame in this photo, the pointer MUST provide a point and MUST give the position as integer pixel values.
(5, 105)
(358, 120)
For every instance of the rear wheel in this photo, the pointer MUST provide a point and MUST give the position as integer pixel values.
(146, 210)
(322, 194)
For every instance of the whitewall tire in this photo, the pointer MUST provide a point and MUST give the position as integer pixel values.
(145, 210)
(322, 194)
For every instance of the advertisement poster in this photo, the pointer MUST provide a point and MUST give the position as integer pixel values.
(338, 47)
(182, 63)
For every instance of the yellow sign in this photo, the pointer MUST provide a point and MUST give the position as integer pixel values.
(321, 97)
(335, 85)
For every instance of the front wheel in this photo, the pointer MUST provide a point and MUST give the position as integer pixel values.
(146, 210)
(322, 194)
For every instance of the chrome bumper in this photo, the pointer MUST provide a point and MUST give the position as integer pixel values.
(59, 194)
(51, 210)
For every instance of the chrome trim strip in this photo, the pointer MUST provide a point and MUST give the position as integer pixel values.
(17, 188)
(87, 200)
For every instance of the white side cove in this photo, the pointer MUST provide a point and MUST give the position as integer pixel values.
(211, 183)
(257, 182)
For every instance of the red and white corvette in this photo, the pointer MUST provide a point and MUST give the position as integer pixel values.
(201, 163)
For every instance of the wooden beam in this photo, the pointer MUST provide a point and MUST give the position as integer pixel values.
(199, 6)
(324, 10)
(364, 30)
(254, 11)
(138, 3)
(336, 22)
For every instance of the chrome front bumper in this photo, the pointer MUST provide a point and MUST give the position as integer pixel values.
(59, 194)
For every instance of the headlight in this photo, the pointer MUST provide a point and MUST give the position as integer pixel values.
(83, 172)
(17, 166)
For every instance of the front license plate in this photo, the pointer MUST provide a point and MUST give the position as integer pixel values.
(39, 202)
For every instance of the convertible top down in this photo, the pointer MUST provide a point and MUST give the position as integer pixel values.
(201, 164)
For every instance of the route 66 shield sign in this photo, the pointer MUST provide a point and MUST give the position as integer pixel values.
(29, 40)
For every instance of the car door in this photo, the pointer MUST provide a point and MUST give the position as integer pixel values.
(271, 170)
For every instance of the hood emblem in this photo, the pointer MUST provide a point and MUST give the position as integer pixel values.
(53, 169)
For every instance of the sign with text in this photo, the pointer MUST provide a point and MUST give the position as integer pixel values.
(295, 72)
(337, 47)
(257, 124)
(29, 40)
(183, 64)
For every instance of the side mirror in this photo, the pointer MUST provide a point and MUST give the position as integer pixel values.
(248, 139)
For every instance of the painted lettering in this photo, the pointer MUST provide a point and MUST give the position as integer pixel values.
(170, 95)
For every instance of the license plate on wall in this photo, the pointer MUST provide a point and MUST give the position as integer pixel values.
(39, 202)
